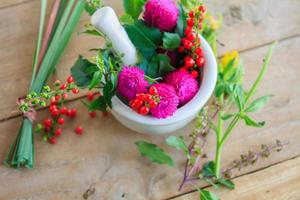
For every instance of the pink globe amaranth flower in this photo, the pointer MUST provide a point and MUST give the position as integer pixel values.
(168, 103)
(162, 14)
(185, 85)
(131, 81)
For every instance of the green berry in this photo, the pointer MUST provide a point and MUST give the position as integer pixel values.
(43, 103)
(28, 97)
(38, 128)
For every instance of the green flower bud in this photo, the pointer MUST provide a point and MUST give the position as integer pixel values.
(43, 103)
(46, 88)
(28, 97)
(38, 128)
(45, 138)
(33, 94)
(35, 101)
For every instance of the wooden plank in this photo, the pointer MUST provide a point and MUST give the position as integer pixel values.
(106, 158)
(281, 181)
(9, 3)
(245, 26)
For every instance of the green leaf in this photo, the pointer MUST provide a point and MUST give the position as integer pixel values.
(93, 32)
(258, 103)
(126, 19)
(220, 88)
(251, 122)
(139, 39)
(207, 195)
(152, 33)
(108, 93)
(92, 6)
(134, 7)
(171, 40)
(98, 104)
(154, 153)
(208, 169)
(181, 21)
(227, 116)
(178, 143)
(95, 80)
(227, 183)
(82, 71)
(239, 97)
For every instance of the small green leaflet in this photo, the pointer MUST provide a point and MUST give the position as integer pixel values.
(251, 122)
(181, 21)
(227, 183)
(208, 169)
(154, 153)
(95, 80)
(171, 40)
(178, 143)
(126, 19)
(98, 104)
(227, 116)
(258, 103)
(207, 195)
(134, 7)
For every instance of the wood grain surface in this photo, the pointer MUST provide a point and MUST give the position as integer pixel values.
(105, 157)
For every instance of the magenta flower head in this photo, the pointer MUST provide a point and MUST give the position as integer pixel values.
(168, 103)
(162, 14)
(185, 85)
(131, 81)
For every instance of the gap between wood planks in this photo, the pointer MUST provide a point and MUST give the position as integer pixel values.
(12, 116)
(16, 4)
(238, 176)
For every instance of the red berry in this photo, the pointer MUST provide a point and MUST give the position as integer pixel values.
(200, 62)
(58, 132)
(183, 69)
(78, 130)
(52, 140)
(53, 101)
(189, 61)
(181, 49)
(64, 95)
(140, 96)
(144, 110)
(187, 44)
(57, 82)
(202, 8)
(90, 96)
(63, 86)
(194, 74)
(199, 51)
(61, 121)
(137, 103)
(72, 113)
(52, 107)
(70, 79)
(188, 30)
(147, 97)
(55, 113)
(152, 90)
(191, 37)
(93, 114)
(64, 110)
(152, 104)
(105, 114)
(190, 22)
(57, 97)
(191, 14)
(75, 90)
(47, 122)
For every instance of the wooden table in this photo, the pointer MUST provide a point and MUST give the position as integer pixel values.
(105, 157)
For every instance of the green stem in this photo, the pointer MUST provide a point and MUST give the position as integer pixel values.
(219, 135)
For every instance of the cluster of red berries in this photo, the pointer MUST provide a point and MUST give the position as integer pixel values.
(58, 110)
(145, 101)
(190, 44)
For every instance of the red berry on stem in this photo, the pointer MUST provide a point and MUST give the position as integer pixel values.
(47, 123)
(93, 114)
(147, 97)
(65, 95)
(57, 97)
(181, 49)
(144, 110)
(188, 30)
(63, 86)
(190, 22)
(191, 37)
(90, 96)
(199, 51)
(70, 79)
(64, 110)
(52, 107)
(153, 90)
(75, 90)
(55, 113)
(183, 69)
(200, 62)
(79, 130)
(52, 140)
(58, 132)
(152, 104)
(202, 8)
(61, 121)
(53, 101)
(189, 61)
(140, 96)
(188, 44)
(137, 103)
(194, 74)
(191, 14)
(72, 113)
